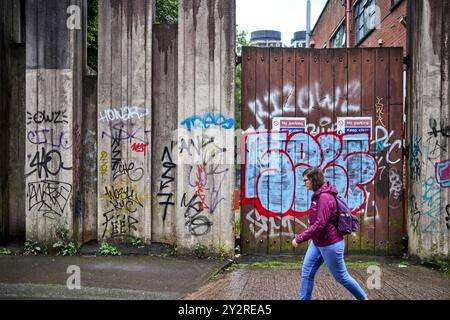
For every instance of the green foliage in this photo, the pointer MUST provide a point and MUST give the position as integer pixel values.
(34, 247)
(173, 251)
(63, 246)
(222, 252)
(237, 225)
(166, 11)
(92, 34)
(107, 250)
(200, 250)
(440, 264)
(5, 252)
(241, 40)
(137, 242)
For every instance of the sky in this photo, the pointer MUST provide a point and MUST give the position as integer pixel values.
(286, 16)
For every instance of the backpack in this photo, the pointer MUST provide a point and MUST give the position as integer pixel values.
(346, 221)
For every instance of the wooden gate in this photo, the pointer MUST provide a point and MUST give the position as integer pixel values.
(338, 109)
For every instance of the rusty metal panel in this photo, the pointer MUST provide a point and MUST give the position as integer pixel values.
(367, 89)
(321, 87)
(248, 219)
(396, 161)
(354, 242)
(382, 150)
(302, 73)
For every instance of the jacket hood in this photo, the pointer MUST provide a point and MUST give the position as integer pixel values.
(327, 187)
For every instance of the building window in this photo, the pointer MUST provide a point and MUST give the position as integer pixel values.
(338, 39)
(394, 3)
(365, 18)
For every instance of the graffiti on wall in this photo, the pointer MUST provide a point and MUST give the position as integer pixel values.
(123, 198)
(40, 117)
(275, 161)
(208, 120)
(165, 198)
(442, 173)
(202, 155)
(48, 197)
(47, 194)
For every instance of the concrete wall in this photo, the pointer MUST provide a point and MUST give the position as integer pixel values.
(5, 26)
(124, 120)
(101, 154)
(205, 155)
(164, 147)
(429, 128)
(54, 69)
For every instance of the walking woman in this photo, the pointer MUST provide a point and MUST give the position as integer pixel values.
(327, 244)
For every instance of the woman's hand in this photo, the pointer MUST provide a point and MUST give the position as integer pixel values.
(294, 243)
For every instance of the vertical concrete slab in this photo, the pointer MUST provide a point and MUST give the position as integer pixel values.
(16, 129)
(124, 120)
(164, 124)
(205, 156)
(53, 45)
(429, 130)
(88, 210)
(5, 30)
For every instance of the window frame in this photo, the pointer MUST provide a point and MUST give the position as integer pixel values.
(365, 14)
(342, 26)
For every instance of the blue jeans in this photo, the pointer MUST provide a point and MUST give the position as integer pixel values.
(333, 255)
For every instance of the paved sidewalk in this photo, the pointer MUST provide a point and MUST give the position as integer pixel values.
(400, 280)
(122, 277)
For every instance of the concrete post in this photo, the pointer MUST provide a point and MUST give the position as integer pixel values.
(428, 129)
(124, 120)
(205, 152)
(53, 91)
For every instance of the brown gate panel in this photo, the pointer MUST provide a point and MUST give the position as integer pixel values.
(338, 109)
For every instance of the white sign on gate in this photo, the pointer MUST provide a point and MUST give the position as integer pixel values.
(359, 127)
(290, 124)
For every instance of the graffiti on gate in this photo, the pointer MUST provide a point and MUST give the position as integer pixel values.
(274, 227)
(275, 161)
(308, 97)
(379, 110)
(49, 197)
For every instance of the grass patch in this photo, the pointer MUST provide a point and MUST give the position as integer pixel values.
(274, 264)
(440, 264)
(362, 264)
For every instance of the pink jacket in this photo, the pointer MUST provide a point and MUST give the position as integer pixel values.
(322, 218)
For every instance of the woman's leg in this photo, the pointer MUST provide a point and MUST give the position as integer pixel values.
(313, 261)
(334, 259)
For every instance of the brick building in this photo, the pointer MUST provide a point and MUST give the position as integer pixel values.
(373, 23)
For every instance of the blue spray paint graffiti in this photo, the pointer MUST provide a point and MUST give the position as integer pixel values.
(275, 163)
(207, 121)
